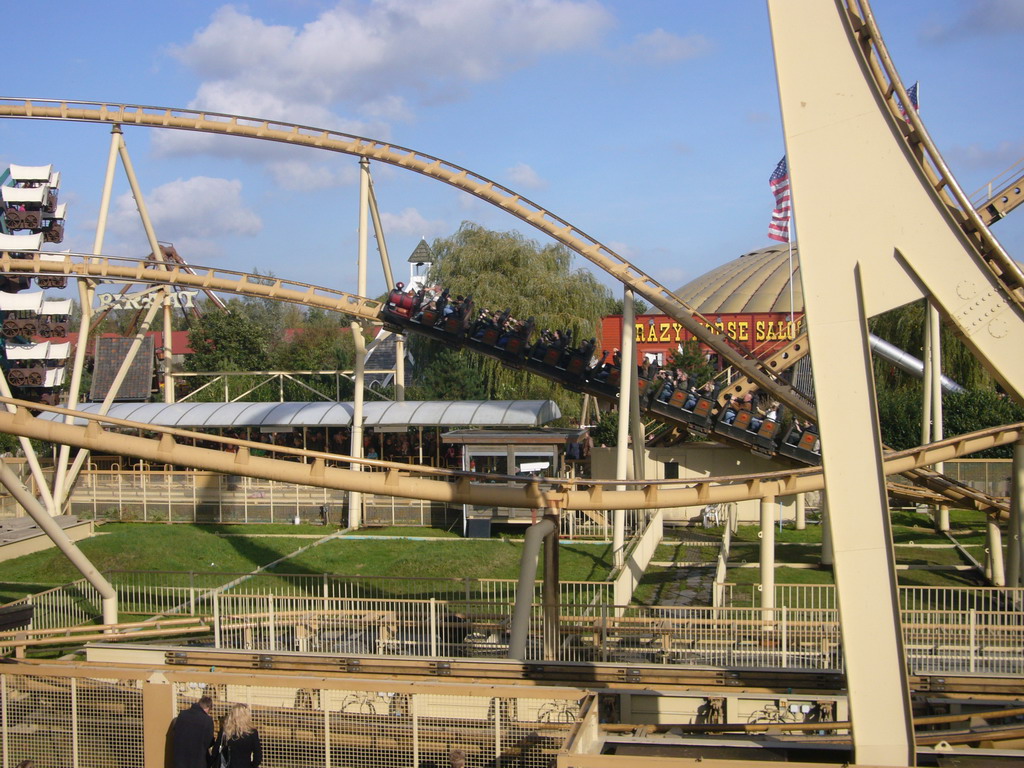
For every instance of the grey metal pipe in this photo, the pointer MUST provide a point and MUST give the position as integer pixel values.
(524, 589)
(57, 535)
(907, 363)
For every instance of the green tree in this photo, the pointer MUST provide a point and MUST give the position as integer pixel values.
(606, 431)
(228, 341)
(505, 270)
(690, 359)
(449, 375)
(900, 394)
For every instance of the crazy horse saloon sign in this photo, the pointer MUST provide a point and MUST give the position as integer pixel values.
(184, 299)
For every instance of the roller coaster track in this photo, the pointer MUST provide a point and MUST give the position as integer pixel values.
(958, 206)
(259, 286)
(499, 671)
(144, 271)
(461, 178)
(451, 486)
(973, 219)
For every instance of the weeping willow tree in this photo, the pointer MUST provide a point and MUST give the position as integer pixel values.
(505, 270)
(904, 328)
(900, 394)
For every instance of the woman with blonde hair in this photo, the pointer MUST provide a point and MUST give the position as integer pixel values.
(238, 745)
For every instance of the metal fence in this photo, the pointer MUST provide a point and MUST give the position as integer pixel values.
(912, 598)
(150, 495)
(159, 592)
(69, 605)
(937, 641)
(989, 475)
(951, 631)
(74, 718)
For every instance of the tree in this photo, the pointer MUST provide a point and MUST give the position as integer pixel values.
(228, 341)
(690, 359)
(505, 270)
(900, 394)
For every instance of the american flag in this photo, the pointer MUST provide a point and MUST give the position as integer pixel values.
(912, 96)
(779, 182)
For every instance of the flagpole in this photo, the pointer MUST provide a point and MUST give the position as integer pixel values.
(792, 309)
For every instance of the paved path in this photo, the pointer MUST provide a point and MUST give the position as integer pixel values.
(688, 580)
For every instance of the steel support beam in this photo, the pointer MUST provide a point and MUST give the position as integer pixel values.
(52, 528)
(822, 90)
(1015, 528)
(994, 541)
(627, 358)
(532, 542)
(767, 535)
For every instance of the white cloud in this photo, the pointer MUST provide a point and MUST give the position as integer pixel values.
(980, 18)
(200, 207)
(411, 222)
(523, 176)
(357, 68)
(300, 175)
(662, 47)
(370, 58)
(974, 156)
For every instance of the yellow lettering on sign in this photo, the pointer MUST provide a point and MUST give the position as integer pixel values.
(759, 330)
(744, 334)
(731, 329)
(639, 331)
(678, 329)
(652, 334)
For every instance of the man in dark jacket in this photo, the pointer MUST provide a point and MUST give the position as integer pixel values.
(193, 735)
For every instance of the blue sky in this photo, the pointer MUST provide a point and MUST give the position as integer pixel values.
(652, 125)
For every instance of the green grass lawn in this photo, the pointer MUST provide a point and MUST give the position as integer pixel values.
(679, 552)
(240, 549)
(154, 547)
(483, 559)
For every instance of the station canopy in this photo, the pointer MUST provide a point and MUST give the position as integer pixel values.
(430, 413)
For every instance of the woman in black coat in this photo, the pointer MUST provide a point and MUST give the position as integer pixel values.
(239, 743)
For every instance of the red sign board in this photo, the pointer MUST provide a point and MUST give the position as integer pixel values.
(761, 332)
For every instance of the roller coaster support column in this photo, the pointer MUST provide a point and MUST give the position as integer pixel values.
(86, 293)
(846, 157)
(1015, 529)
(934, 363)
(355, 499)
(63, 490)
(389, 280)
(801, 511)
(532, 541)
(158, 254)
(57, 535)
(627, 360)
(994, 543)
(62, 486)
(550, 590)
(767, 535)
(826, 531)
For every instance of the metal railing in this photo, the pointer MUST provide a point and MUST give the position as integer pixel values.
(168, 495)
(946, 642)
(68, 605)
(74, 717)
(160, 592)
(949, 631)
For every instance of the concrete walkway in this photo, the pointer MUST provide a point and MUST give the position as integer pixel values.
(689, 578)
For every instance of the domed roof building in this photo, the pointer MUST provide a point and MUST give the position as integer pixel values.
(756, 282)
